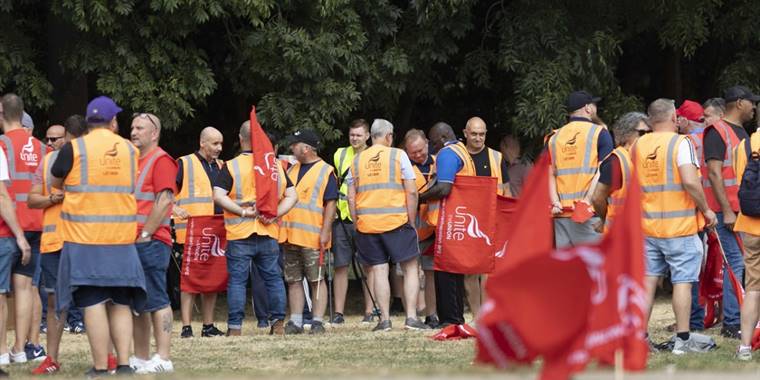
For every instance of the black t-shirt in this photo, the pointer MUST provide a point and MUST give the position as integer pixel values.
(64, 162)
(714, 147)
(609, 173)
(331, 191)
(224, 179)
(483, 165)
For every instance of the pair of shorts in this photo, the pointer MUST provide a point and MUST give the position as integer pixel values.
(8, 251)
(751, 262)
(31, 268)
(397, 246)
(681, 255)
(154, 257)
(570, 234)
(343, 246)
(86, 296)
(300, 262)
(426, 261)
(49, 268)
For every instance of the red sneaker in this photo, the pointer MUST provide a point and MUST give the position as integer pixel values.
(112, 363)
(47, 367)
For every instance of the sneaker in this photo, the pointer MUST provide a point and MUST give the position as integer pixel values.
(744, 354)
(187, 332)
(681, 347)
(317, 328)
(112, 363)
(34, 353)
(18, 357)
(307, 323)
(652, 347)
(383, 326)
(415, 324)
(731, 331)
(43, 326)
(48, 366)
(156, 365)
(5, 359)
(67, 328)
(124, 370)
(211, 331)
(292, 329)
(338, 319)
(368, 318)
(263, 324)
(93, 373)
(78, 328)
(432, 321)
(277, 328)
(136, 363)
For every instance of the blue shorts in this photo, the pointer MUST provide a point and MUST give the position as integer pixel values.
(154, 257)
(49, 268)
(681, 255)
(396, 246)
(86, 296)
(8, 250)
(31, 268)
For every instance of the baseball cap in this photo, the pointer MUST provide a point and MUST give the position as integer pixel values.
(691, 110)
(26, 121)
(578, 99)
(101, 110)
(306, 136)
(735, 93)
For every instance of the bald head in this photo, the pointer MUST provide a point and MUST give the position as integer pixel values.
(55, 136)
(475, 133)
(211, 143)
(439, 134)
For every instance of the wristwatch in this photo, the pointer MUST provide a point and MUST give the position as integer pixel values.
(144, 235)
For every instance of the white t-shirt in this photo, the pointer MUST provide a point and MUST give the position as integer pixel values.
(407, 170)
(4, 176)
(685, 154)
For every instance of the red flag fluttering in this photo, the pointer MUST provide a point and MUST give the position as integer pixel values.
(711, 282)
(533, 312)
(264, 169)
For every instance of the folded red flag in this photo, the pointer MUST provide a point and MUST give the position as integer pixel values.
(582, 212)
(711, 281)
(265, 174)
(455, 332)
(204, 266)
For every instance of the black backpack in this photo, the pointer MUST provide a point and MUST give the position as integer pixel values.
(749, 190)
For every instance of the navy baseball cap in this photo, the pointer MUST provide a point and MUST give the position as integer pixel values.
(735, 93)
(306, 136)
(578, 99)
(101, 110)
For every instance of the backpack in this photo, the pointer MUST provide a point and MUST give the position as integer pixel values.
(749, 190)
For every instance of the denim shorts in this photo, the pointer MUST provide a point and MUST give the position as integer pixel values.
(681, 255)
(8, 250)
(49, 268)
(154, 257)
(86, 296)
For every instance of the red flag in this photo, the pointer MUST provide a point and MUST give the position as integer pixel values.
(264, 169)
(505, 215)
(711, 281)
(204, 267)
(464, 239)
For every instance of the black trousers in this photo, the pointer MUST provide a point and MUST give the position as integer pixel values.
(449, 292)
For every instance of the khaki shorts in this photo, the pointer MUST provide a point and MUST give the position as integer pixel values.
(751, 262)
(300, 262)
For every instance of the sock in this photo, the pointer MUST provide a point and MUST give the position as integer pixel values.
(186, 326)
(745, 348)
(297, 319)
(683, 335)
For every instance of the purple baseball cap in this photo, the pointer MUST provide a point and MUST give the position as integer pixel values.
(101, 110)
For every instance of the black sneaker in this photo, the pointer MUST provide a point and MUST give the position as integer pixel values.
(292, 329)
(93, 373)
(338, 319)
(415, 324)
(368, 318)
(124, 370)
(210, 331)
(317, 327)
(383, 326)
(432, 321)
(187, 332)
(731, 331)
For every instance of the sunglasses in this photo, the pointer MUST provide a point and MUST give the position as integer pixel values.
(643, 132)
(143, 115)
(51, 140)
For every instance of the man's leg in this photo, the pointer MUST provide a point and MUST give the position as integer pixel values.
(320, 304)
(449, 290)
(120, 326)
(34, 328)
(142, 335)
(381, 289)
(731, 319)
(208, 305)
(411, 286)
(22, 294)
(162, 331)
(682, 306)
(99, 334)
(259, 291)
(55, 329)
(238, 268)
(186, 307)
(295, 301)
(3, 320)
(750, 314)
(340, 289)
(430, 299)
(369, 307)
(266, 260)
(472, 289)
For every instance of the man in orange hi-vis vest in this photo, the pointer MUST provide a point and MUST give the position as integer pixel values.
(576, 150)
(100, 269)
(673, 205)
(382, 198)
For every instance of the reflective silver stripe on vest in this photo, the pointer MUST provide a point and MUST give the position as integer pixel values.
(391, 184)
(48, 228)
(379, 186)
(576, 195)
(139, 195)
(301, 226)
(341, 160)
(12, 173)
(668, 214)
(49, 170)
(143, 218)
(589, 139)
(238, 180)
(434, 206)
(572, 171)
(180, 226)
(98, 218)
(380, 210)
(190, 173)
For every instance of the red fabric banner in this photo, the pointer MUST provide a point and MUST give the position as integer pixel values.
(264, 169)
(711, 282)
(204, 266)
(464, 239)
(505, 212)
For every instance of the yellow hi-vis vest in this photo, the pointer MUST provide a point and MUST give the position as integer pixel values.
(669, 211)
(100, 207)
(617, 197)
(303, 223)
(343, 158)
(243, 193)
(574, 160)
(196, 196)
(51, 240)
(380, 195)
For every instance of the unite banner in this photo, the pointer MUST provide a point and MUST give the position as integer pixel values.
(204, 266)
(465, 235)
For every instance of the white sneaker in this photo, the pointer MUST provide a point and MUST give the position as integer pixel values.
(156, 365)
(18, 357)
(136, 363)
(5, 359)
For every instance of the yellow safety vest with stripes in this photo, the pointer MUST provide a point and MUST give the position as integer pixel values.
(303, 223)
(380, 195)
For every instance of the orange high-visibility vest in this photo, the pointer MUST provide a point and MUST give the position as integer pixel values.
(196, 196)
(303, 223)
(243, 192)
(744, 223)
(574, 158)
(380, 195)
(100, 207)
(729, 176)
(51, 240)
(146, 196)
(24, 153)
(617, 197)
(468, 168)
(668, 209)
(423, 183)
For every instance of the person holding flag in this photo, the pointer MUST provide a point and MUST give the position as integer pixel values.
(672, 200)
(307, 229)
(250, 221)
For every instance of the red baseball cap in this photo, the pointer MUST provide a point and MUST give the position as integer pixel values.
(691, 110)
